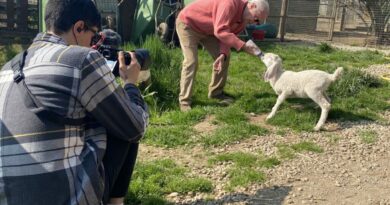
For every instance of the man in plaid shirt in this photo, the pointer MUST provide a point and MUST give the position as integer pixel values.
(47, 161)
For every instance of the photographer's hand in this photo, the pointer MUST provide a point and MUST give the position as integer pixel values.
(129, 73)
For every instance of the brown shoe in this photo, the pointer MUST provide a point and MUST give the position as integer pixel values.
(185, 108)
(224, 98)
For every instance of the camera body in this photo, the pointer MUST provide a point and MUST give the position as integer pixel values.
(111, 54)
(109, 48)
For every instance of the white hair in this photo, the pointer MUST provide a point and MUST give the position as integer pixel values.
(262, 5)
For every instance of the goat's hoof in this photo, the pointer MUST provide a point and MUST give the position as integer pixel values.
(317, 129)
(269, 117)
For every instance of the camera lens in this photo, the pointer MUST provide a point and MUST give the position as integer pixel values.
(106, 53)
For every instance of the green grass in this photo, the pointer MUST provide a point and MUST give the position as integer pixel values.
(227, 134)
(269, 162)
(333, 138)
(174, 128)
(8, 52)
(169, 136)
(152, 180)
(301, 120)
(350, 95)
(242, 176)
(242, 159)
(286, 151)
(281, 132)
(245, 167)
(231, 115)
(307, 146)
(325, 48)
(165, 74)
(180, 118)
(368, 136)
(239, 158)
(354, 82)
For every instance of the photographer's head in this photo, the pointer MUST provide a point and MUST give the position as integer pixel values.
(77, 21)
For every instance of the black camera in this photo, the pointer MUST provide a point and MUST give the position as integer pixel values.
(111, 54)
(109, 48)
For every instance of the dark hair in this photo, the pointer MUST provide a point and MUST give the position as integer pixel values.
(111, 38)
(61, 15)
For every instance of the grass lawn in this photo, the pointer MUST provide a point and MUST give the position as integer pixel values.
(351, 95)
(356, 96)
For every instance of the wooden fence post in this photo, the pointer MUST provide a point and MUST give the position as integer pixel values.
(282, 23)
(332, 20)
(342, 21)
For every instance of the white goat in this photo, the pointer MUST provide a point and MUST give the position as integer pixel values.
(305, 84)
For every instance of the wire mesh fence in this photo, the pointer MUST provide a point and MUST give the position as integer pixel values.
(352, 22)
(108, 11)
(18, 20)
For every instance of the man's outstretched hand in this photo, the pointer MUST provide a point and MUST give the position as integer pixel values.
(251, 48)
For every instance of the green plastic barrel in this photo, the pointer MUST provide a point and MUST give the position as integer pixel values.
(147, 10)
(144, 20)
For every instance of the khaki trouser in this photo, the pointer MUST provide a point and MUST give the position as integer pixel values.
(189, 41)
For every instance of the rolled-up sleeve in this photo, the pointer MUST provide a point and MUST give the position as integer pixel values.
(122, 112)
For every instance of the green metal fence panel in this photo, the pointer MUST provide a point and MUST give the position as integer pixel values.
(42, 7)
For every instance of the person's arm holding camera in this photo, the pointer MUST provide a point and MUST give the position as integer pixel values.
(122, 111)
(129, 74)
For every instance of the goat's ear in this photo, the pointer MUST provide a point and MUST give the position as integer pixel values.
(271, 71)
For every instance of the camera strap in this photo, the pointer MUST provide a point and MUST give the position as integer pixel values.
(31, 102)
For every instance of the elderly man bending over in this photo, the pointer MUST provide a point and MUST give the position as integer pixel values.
(214, 24)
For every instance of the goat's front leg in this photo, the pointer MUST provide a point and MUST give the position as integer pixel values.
(279, 101)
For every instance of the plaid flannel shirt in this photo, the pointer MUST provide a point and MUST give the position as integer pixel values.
(47, 162)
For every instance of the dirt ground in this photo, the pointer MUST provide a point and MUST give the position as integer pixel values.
(349, 171)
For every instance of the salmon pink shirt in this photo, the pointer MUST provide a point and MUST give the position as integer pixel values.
(220, 18)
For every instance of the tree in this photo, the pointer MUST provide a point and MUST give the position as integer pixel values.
(378, 12)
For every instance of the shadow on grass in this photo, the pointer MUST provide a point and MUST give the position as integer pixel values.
(269, 196)
(307, 105)
(264, 95)
(149, 200)
(205, 103)
(347, 116)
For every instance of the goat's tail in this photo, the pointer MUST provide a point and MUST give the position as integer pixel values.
(337, 73)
